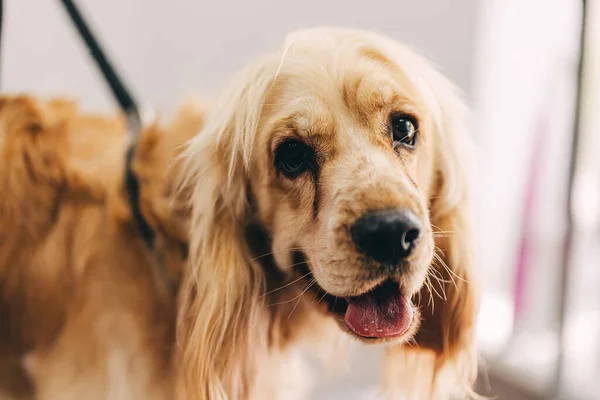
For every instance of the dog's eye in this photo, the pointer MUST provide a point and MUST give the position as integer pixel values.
(293, 157)
(404, 131)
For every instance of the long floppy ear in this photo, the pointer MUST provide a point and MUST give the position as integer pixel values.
(444, 358)
(221, 310)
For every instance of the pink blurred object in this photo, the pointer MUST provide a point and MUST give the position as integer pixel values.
(525, 248)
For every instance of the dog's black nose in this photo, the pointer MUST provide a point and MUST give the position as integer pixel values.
(387, 236)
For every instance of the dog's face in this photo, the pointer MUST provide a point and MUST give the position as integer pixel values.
(341, 185)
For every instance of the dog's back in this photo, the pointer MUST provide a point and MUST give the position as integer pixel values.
(84, 312)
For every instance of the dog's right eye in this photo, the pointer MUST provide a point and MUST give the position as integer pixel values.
(293, 157)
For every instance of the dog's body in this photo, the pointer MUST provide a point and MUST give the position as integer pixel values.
(329, 190)
(309, 154)
(85, 311)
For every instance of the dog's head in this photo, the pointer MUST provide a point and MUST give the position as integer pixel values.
(345, 150)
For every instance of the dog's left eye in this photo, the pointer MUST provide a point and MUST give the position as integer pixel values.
(293, 157)
(404, 131)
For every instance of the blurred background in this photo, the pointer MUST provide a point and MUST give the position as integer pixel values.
(518, 61)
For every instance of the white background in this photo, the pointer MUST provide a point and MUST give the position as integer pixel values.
(167, 49)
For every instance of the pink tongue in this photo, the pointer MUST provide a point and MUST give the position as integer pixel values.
(383, 312)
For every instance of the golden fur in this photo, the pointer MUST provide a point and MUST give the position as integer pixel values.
(166, 209)
(243, 301)
(84, 313)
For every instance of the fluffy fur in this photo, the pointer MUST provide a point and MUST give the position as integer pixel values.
(246, 297)
(156, 165)
(83, 311)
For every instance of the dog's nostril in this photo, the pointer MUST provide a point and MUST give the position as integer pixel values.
(387, 236)
(409, 239)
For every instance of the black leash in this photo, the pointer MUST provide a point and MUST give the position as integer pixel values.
(122, 95)
(128, 106)
(133, 195)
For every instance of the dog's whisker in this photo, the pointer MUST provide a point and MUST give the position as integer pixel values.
(436, 227)
(419, 298)
(312, 282)
(431, 302)
(442, 231)
(442, 287)
(445, 280)
(286, 285)
(322, 297)
(442, 297)
(279, 251)
(438, 275)
(439, 250)
(452, 273)
(315, 297)
(442, 234)
(293, 265)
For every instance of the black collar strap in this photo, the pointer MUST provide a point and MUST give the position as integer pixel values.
(132, 187)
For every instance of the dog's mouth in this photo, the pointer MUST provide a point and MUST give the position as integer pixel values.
(383, 312)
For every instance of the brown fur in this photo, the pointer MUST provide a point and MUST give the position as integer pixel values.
(155, 165)
(244, 301)
(84, 313)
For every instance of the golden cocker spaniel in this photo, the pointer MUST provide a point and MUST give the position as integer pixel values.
(84, 309)
(329, 187)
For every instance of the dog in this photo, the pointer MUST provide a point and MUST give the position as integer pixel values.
(329, 195)
(87, 307)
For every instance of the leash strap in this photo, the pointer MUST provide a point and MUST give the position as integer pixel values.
(128, 106)
(118, 88)
(133, 195)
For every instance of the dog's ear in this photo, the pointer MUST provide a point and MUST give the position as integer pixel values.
(445, 340)
(221, 307)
